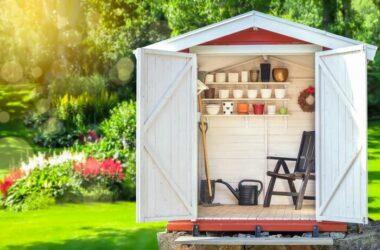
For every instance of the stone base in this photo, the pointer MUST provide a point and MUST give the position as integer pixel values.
(368, 239)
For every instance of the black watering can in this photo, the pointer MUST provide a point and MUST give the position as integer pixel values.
(245, 194)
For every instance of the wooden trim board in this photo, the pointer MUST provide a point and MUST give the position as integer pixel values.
(250, 225)
(245, 241)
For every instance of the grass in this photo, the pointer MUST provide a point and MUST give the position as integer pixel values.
(374, 169)
(78, 226)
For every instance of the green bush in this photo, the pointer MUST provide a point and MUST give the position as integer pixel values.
(118, 142)
(54, 182)
(75, 105)
(75, 85)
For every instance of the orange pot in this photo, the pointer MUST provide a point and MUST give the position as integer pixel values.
(242, 108)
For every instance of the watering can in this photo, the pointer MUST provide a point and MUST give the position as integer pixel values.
(245, 194)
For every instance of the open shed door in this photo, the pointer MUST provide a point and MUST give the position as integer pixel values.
(166, 135)
(341, 129)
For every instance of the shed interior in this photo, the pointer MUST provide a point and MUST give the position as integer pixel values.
(238, 145)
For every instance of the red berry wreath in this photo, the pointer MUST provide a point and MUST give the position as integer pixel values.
(306, 107)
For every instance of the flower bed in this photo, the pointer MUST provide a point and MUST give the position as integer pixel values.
(67, 177)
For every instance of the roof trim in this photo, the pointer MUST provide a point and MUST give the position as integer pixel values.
(256, 19)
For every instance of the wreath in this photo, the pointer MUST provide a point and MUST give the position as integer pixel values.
(305, 106)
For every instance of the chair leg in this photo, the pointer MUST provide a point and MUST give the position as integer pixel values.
(301, 193)
(293, 190)
(268, 195)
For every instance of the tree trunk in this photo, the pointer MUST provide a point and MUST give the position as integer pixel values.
(329, 12)
(346, 12)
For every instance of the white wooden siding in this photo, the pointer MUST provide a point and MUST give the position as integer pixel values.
(342, 144)
(237, 145)
(166, 136)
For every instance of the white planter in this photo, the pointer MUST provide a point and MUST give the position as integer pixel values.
(209, 78)
(266, 93)
(252, 93)
(233, 77)
(224, 93)
(220, 77)
(280, 93)
(237, 93)
(271, 109)
(244, 76)
(213, 109)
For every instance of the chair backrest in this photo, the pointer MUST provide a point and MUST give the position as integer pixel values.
(306, 154)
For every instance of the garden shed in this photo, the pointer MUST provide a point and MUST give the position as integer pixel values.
(322, 89)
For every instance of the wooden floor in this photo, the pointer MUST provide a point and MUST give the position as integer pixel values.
(274, 212)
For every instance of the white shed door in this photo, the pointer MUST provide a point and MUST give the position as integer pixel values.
(341, 141)
(166, 135)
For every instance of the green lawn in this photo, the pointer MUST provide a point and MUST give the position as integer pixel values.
(80, 226)
(374, 169)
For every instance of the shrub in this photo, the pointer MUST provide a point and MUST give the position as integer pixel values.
(118, 143)
(75, 85)
(55, 182)
(9, 180)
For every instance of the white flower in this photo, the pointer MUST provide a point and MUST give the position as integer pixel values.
(42, 160)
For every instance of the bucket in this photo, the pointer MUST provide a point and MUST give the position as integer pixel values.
(258, 108)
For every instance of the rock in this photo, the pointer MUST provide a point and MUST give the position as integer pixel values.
(337, 235)
(307, 235)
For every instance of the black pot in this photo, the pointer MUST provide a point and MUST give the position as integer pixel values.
(265, 72)
(204, 194)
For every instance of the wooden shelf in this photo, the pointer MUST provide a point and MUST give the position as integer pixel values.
(245, 115)
(245, 99)
(248, 83)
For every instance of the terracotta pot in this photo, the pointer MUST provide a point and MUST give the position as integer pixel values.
(242, 108)
(258, 108)
(210, 93)
(280, 74)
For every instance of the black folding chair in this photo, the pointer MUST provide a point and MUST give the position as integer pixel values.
(304, 170)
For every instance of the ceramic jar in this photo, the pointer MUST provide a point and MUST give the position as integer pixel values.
(279, 93)
(271, 109)
(265, 72)
(244, 76)
(280, 74)
(228, 108)
(266, 93)
(213, 109)
(252, 93)
(237, 93)
(210, 93)
(254, 75)
(220, 77)
(242, 108)
(233, 77)
(209, 78)
(224, 93)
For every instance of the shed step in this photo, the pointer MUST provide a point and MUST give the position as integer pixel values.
(244, 241)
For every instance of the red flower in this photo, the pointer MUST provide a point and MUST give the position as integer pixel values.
(93, 168)
(112, 168)
(90, 168)
(310, 90)
(9, 180)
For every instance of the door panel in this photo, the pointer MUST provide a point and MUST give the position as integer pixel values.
(341, 125)
(166, 136)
